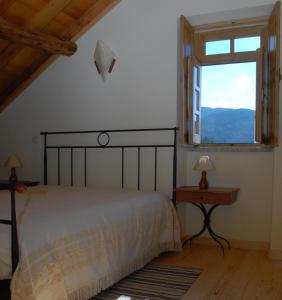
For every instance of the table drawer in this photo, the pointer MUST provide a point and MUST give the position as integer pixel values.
(204, 197)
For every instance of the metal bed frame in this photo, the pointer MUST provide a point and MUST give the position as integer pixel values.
(101, 134)
(13, 223)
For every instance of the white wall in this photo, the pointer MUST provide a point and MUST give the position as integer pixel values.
(141, 92)
(276, 232)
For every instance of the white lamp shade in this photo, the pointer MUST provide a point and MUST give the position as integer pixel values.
(104, 58)
(204, 163)
(13, 162)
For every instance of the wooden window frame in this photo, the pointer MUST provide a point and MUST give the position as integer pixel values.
(194, 39)
(230, 34)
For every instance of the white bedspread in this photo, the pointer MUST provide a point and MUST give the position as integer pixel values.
(76, 241)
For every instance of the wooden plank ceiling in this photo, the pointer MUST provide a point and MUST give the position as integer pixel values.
(34, 32)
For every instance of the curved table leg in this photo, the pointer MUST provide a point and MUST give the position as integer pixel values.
(207, 221)
(204, 211)
(220, 237)
(215, 239)
(194, 236)
(211, 232)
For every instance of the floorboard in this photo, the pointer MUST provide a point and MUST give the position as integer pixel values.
(240, 274)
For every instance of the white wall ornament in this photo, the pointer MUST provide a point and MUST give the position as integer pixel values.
(104, 59)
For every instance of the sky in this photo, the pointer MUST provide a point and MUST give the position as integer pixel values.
(229, 86)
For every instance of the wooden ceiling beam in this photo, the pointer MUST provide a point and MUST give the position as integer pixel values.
(34, 39)
(38, 23)
(85, 22)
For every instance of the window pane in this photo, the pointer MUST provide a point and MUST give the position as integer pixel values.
(247, 44)
(228, 103)
(218, 47)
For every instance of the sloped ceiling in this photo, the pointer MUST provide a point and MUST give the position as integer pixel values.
(34, 32)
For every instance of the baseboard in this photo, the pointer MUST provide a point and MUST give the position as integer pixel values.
(237, 244)
(275, 254)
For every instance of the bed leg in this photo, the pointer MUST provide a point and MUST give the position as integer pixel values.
(14, 239)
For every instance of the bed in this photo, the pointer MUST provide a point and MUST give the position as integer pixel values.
(85, 239)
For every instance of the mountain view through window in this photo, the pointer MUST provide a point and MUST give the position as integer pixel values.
(228, 103)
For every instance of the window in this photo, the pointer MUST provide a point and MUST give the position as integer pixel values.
(217, 47)
(228, 120)
(230, 81)
(247, 44)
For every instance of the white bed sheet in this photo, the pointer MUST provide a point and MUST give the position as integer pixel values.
(76, 241)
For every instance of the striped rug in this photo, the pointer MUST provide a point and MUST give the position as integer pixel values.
(151, 283)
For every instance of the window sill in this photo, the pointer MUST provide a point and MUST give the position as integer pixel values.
(229, 148)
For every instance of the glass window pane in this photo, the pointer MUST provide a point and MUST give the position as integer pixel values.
(247, 44)
(228, 103)
(218, 47)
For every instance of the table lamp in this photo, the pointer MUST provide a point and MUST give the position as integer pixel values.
(204, 164)
(13, 162)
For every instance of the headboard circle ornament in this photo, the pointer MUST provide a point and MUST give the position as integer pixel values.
(102, 135)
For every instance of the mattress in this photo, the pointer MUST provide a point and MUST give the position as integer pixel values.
(76, 241)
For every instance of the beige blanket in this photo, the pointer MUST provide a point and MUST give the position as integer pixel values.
(74, 242)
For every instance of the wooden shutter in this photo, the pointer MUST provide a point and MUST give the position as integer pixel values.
(187, 49)
(259, 97)
(262, 103)
(196, 126)
(273, 52)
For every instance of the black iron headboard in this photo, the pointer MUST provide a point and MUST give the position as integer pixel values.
(103, 142)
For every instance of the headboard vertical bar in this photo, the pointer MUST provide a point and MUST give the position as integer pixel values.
(85, 166)
(71, 166)
(122, 167)
(45, 159)
(156, 166)
(138, 168)
(174, 166)
(59, 166)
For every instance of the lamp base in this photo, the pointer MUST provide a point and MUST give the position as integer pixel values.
(203, 184)
(13, 177)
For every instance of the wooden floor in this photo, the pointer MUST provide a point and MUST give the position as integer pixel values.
(241, 274)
